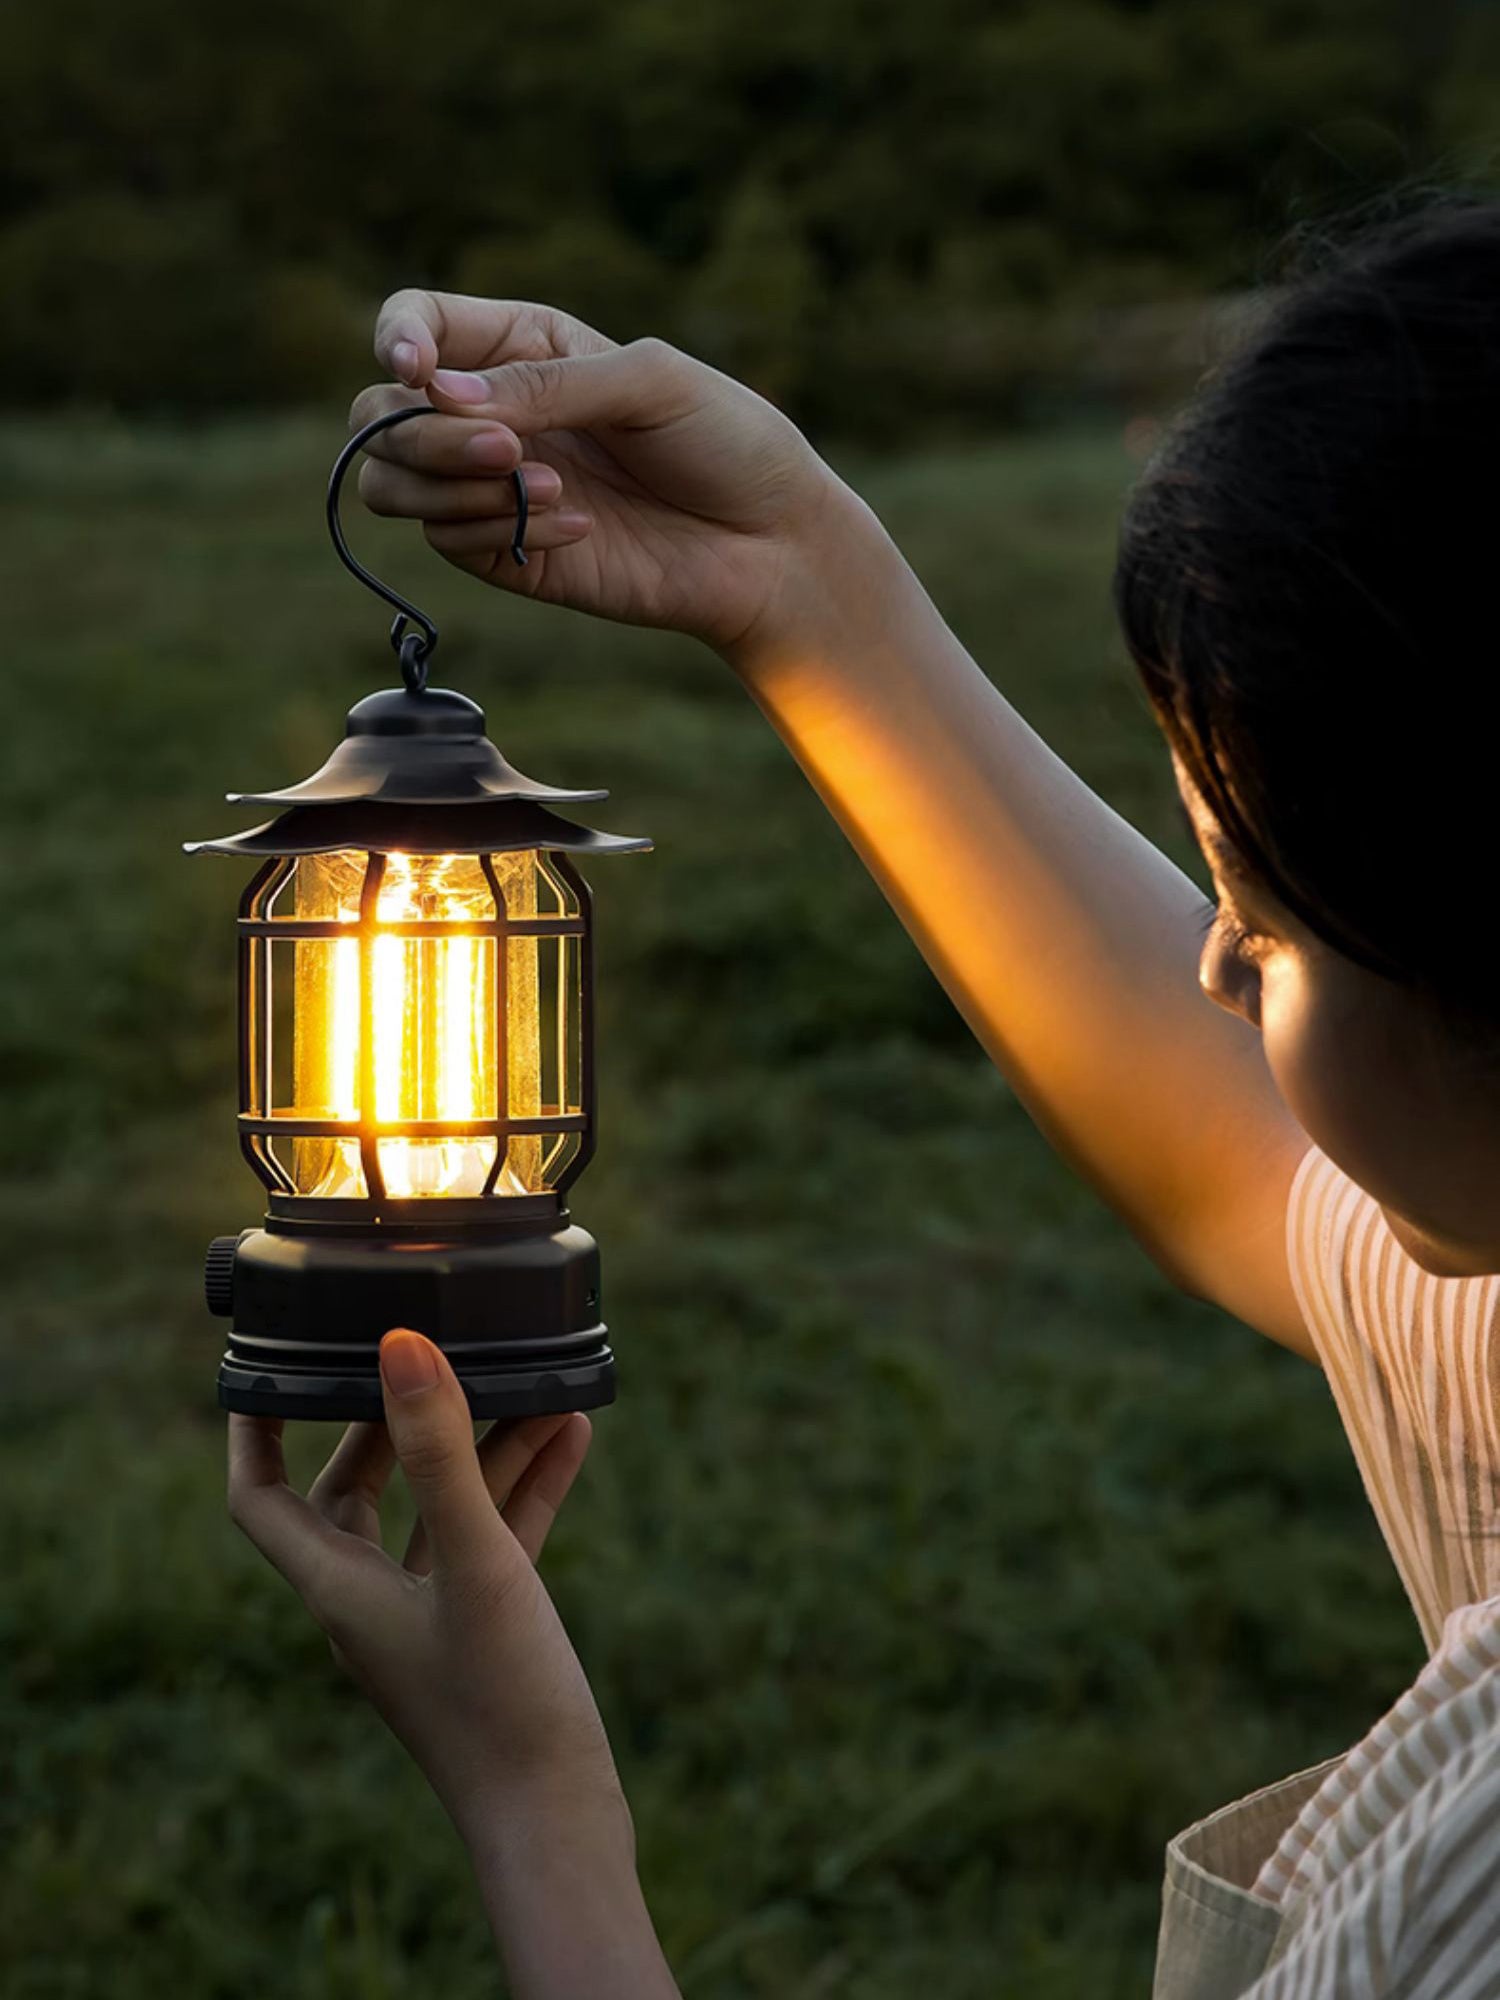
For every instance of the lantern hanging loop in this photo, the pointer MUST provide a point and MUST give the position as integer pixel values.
(413, 649)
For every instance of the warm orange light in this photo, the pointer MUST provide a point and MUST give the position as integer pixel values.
(433, 1015)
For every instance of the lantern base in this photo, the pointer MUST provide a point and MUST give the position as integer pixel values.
(514, 1305)
(509, 1391)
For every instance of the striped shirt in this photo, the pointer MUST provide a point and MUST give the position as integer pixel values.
(1414, 1365)
(1389, 1876)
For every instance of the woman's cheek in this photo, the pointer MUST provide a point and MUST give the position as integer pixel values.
(1337, 1059)
(1289, 1031)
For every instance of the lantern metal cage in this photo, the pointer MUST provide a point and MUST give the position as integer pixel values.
(416, 1064)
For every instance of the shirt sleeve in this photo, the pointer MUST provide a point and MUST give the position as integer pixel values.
(1411, 1363)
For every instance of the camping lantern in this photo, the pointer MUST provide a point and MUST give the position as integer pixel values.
(416, 1028)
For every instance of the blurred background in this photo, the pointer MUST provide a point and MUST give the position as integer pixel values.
(938, 1561)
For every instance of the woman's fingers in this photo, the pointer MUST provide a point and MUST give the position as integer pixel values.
(441, 444)
(347, 1491)
(418, 330)
(289, 1532)
(418, 496)
(483, 547)
(507, 1453)
(428, 1418)
(544, 1485)
(639, 387)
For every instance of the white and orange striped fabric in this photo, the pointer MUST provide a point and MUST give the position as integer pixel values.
(1387, 1880)
(1414, 1365)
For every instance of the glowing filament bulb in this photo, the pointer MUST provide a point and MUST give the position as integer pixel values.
(432, 1006)
(435, 1040)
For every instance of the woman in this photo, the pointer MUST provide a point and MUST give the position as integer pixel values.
(1304, 580)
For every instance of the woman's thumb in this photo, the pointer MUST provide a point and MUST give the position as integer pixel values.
(642, 383)
(428, 1418)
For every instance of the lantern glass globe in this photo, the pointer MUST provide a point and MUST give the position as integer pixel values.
(463, 996)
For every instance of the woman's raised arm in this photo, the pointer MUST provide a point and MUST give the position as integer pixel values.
(1069, 942)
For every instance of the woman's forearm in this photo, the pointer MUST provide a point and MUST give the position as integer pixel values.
(560, 1889)
(1068, 942)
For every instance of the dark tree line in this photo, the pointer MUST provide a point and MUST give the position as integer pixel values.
(854, 203)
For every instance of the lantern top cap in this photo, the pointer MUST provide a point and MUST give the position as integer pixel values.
(433, 712)
(416, 772)
(415, 749)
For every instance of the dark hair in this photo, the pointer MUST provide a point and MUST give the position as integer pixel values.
(1309, 583)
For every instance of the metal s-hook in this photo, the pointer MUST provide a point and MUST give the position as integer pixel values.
(413, 649)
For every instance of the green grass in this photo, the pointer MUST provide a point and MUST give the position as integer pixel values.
(937, 1562)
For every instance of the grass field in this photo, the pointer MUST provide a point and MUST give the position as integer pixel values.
(937, 1562)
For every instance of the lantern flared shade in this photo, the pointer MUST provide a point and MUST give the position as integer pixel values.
(416, 1075)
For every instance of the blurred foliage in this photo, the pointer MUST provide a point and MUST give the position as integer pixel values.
(938, 1560)
(881, 214)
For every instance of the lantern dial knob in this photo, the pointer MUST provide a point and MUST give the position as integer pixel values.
(218, 1275)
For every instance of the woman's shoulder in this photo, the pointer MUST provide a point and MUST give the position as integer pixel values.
(1410, 1360)
(1358, 1288)
(1354, 1281)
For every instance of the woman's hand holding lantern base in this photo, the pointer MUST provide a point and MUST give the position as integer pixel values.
(459, 1648)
